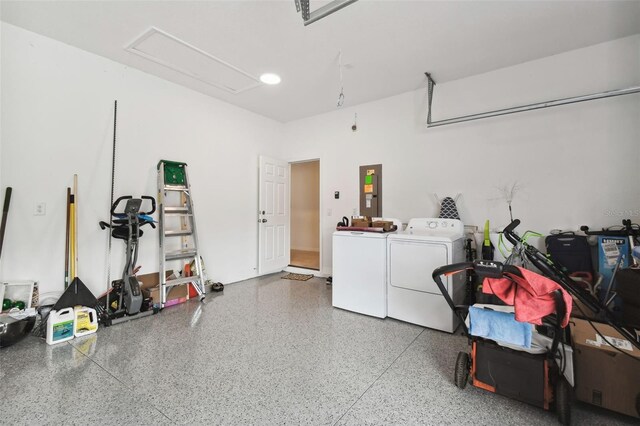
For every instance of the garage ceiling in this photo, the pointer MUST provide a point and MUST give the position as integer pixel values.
(386, 45)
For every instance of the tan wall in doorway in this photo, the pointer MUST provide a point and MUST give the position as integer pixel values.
(305, 206)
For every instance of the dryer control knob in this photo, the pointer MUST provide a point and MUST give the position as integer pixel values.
(433, 224)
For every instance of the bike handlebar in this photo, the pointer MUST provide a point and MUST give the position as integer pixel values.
(153, 204)
(117, 202)
(129, 197)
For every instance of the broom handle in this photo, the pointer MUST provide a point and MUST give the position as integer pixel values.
(5, 212)
(72, 207)
(75, 226)
(66, 242)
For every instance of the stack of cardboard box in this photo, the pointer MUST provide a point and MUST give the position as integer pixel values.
(175, 295)
(606, 376)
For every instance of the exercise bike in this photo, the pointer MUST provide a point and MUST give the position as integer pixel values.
(125, 298)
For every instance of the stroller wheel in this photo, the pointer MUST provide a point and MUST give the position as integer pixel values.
(461, 374)
(563, 401)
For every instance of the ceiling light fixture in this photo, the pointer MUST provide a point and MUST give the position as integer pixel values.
(270, 78)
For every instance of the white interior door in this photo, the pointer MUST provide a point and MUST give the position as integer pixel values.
(273, 216)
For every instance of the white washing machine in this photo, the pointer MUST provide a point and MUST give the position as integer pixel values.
(360, 271)
(412, 255)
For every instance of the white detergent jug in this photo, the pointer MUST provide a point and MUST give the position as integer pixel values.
(86, 321)
(60, 326)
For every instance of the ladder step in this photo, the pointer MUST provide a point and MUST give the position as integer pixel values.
(180, 254)
(176, 210)
(178, 233)
(182, 280)
(176, 188)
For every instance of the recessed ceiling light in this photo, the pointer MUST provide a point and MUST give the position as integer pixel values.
(270, 78)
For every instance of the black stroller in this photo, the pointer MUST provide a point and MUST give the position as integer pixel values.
(535, 375)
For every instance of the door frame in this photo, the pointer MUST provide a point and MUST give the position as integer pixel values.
(321, 216)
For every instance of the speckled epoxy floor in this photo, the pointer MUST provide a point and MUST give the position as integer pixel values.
(266, 351)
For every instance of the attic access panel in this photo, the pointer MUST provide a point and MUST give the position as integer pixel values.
(168, 50)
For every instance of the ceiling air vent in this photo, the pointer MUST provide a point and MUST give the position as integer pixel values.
(167, 50)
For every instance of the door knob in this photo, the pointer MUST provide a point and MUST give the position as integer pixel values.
(264, 220)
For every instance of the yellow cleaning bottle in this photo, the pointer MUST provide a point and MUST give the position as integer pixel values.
(86, 321)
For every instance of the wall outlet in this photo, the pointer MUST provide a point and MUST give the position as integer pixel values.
(40, 209)
(329, 212)
(355, 211)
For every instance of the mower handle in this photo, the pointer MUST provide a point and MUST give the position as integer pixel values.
(481, 267)
(484, 269)
(513, 225)
(450, 269)
(510, 235)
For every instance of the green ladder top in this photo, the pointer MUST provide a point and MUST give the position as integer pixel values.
(173, 171)
(170, 163)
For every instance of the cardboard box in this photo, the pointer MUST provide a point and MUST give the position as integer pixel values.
(387, 225)
(361, 222)
(604, 376)
(151, 282)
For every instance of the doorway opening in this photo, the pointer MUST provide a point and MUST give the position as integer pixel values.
(305, 215)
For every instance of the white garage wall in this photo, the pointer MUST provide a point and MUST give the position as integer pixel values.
(57, 115)
(575, 164)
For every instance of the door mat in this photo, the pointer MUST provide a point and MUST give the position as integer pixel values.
(297, 277)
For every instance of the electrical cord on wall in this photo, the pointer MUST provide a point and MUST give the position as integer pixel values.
(341, 95)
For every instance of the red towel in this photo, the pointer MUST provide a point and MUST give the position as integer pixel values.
(531, 296)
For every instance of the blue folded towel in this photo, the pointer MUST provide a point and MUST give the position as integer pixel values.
(499, 326)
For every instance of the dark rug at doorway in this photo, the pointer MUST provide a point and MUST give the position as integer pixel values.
(297, 277)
